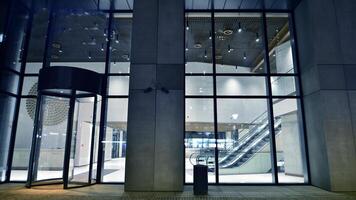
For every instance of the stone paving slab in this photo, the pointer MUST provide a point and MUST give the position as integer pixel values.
(106, 192)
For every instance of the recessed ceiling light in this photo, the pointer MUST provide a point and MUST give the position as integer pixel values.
(228, 32)
(198, 45)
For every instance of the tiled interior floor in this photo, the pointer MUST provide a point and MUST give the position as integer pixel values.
(105, 192)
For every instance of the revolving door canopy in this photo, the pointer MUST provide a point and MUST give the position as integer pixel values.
(65, 136)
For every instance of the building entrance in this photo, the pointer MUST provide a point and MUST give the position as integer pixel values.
(65, 137)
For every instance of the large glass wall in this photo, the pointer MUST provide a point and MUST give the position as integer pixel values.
(12, 44)
(243, 114)
(117, 99)
(84, 39)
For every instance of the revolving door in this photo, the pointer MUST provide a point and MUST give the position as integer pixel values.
(65, 137)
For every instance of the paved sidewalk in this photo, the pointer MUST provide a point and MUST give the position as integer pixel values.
(106, 192)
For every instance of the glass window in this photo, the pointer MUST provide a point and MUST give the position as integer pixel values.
(115, 140)
(283, 86)
(23, 139)
(251, 85)
(199, 85)
(244, 141)
(29, 86)
(199, 137)
(9, 81)
(37, 42)
(238, 43)
(80, 40)
(241, 82)
(288, 134)
(198, 39)
(7, 109)
(119, 85)
(121, 43)
(279, 42)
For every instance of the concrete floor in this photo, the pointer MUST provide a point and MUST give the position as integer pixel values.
(105, 192)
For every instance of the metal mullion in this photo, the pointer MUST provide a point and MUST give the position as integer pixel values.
(68, 142)
(49, 36)
(9, 94)
(117, 96)
(304, 140)
(18, 96)
(239, 10)
(91, 162)
(103, 113)
(119, 74)
(7, 69)
(270, 103)
(212, 20)
(199, 74)
(34, 151)
(30, 75)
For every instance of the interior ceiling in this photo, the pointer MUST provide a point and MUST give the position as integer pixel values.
(241, 44)
(79, 35)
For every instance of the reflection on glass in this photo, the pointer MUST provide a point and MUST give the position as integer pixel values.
(199, 137)
(288, 141)
(239, 43)
(7, 116)
(29, 86)
(230, 85)
(52, 132)
(283, 86)
(23, 139)
(79, 40)
(198, 44)
(118, 85)
(115, 140)
(279, 42)
(121, 43)
(244, 141)
(37, 42)
(81, 141)
(199, 85)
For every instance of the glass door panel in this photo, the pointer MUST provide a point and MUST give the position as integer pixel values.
(51, 137)
(80, 161)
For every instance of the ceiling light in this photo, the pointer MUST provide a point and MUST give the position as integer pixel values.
(257, 37)
(198, 45)
(274, 54)
(228, 32)
(89, 55)
(105, 30)
(186, 49)
(210, 36)
(229, 49)
(234, 116)
(102, 47)
(187, 27)
(240, 28)
(205, 54)
(245, 57)
(117, 39)
(60, 51)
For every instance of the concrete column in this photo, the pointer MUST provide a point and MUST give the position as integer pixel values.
(326, 32)
(155, 137)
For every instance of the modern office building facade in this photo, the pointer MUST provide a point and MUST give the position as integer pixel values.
(260, 91)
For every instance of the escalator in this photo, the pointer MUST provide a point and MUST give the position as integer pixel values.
(250, 144)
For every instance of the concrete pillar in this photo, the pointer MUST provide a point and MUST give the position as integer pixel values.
(155, 137)
(326, 32)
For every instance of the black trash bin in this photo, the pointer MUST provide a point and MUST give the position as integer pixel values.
(200, 180)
